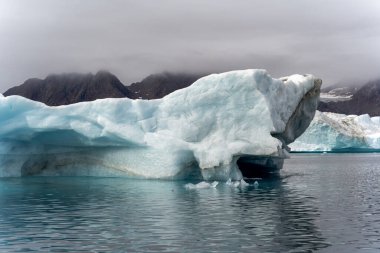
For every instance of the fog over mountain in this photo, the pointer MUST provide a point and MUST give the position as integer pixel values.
(335, 40)
(364, 100)
(71, 88)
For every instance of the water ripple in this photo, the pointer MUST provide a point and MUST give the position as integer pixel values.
(317, 204)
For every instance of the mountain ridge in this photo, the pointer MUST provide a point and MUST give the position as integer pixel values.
(69, 88)
(365, 100)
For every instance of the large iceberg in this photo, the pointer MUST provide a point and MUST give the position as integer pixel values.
(202, 130)
(339, 132)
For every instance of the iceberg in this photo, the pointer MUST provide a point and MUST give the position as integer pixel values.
(243, 117)
(339, 132)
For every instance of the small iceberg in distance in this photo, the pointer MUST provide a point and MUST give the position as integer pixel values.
(333, 132)
(221, 127)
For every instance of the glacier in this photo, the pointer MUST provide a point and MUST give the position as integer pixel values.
(332, 132)
(203, 130)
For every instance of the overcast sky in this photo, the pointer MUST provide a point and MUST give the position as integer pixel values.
(335, 40)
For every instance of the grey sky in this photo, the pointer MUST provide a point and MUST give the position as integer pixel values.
(336, 40)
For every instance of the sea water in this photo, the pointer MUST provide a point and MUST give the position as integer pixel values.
(319, 203)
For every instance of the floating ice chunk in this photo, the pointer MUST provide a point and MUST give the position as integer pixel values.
(243, 183)
(237, 183)
(201, 185)
(214, 184)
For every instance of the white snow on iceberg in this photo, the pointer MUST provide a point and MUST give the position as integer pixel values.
(339, 132)
(202, 129)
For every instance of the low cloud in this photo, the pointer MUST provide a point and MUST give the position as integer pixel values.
(336, 40)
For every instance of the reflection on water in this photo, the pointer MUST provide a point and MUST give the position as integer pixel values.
(118, 214)
(297, 212)
(292, 215)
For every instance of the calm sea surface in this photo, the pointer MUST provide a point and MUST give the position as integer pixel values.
(320, 203)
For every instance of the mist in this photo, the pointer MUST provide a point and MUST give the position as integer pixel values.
(337, 41)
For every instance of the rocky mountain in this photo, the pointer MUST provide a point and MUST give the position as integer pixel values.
(334, 94)
(160, 85)
(71, 88)
(365, 100)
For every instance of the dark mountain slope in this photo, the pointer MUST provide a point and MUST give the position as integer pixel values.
(71, 88)
(160, 85)
(366, 100)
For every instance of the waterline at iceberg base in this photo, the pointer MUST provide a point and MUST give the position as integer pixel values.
(240, 117)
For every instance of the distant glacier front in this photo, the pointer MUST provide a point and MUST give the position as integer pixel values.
(204, 130)
(332, 132)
